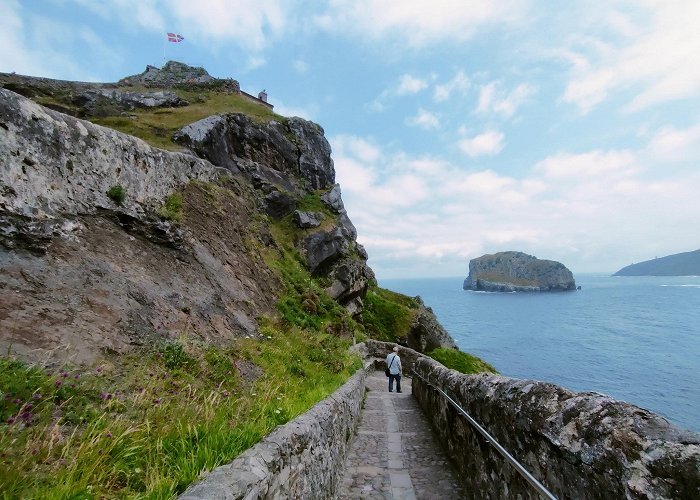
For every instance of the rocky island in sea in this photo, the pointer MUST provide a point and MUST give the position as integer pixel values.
(517, 272)
(679, 264)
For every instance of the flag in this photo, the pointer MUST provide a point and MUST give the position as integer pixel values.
(173, 37)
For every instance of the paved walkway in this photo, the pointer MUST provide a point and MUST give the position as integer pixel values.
(394, 454)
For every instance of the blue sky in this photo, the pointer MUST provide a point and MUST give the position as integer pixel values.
(567, 130)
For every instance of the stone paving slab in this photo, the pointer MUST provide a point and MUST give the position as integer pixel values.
(394, 454)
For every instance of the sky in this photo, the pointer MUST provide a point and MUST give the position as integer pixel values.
(566, 130)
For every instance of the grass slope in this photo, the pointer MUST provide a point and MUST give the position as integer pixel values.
(157, 126)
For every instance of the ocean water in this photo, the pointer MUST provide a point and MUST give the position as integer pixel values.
(636, 339)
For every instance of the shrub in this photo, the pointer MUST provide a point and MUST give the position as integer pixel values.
(117, 194)
(175, 356)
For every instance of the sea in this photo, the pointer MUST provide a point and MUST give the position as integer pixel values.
(636, 339)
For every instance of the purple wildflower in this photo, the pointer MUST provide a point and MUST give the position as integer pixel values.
(17, 401)
(108, 434)
(28, 406)
(36, 396)
(58, 383)
(10, 420)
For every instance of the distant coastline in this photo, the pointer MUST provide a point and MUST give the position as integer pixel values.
(680, 264)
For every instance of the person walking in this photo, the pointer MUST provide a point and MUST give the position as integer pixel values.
(393, 363)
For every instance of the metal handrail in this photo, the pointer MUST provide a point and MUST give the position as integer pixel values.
(489, 439)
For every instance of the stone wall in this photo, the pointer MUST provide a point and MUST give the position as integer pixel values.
(301, 459)
(378, 350)
(579, 445)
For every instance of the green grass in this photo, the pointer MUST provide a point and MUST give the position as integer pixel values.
(157, 126)
(172, 208)
(461, 361)
(146, 425)
(388, 315)
(502, 278)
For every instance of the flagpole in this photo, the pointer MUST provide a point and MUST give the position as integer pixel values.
(165, 44)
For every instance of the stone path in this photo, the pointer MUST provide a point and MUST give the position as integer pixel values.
(394, 454)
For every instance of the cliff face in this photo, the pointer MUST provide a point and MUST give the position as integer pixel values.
(517, 272)
(95, 259)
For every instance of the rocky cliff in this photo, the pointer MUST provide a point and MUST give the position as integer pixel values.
(92, 260)
(517, 272)
(107, 243)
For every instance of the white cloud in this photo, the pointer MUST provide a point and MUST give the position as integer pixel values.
(417, 23)
(671, 144)
(284, 109)
(249, 23)
(594, 164)
(656, 58)
(487, 144)
(350, 145)
(39, 46)
(459, 83)
(494, 100)
(406, 85)
(300, 66)
(410, 85)
(424, 119)
(587, 209)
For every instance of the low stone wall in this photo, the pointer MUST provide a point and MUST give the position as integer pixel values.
(579, 445)
(301, 459)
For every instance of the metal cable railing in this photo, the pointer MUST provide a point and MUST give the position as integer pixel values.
(489, 439)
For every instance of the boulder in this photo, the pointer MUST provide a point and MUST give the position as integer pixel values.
(332, 199)
(324, 248)
(517, 272)
(307, 220)
(278, 204)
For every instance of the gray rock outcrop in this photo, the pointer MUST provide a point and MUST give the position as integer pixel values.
(517, 272)
(306, 220)
(277, 153)
(172, 73)
(107, 102)
(427, 333)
